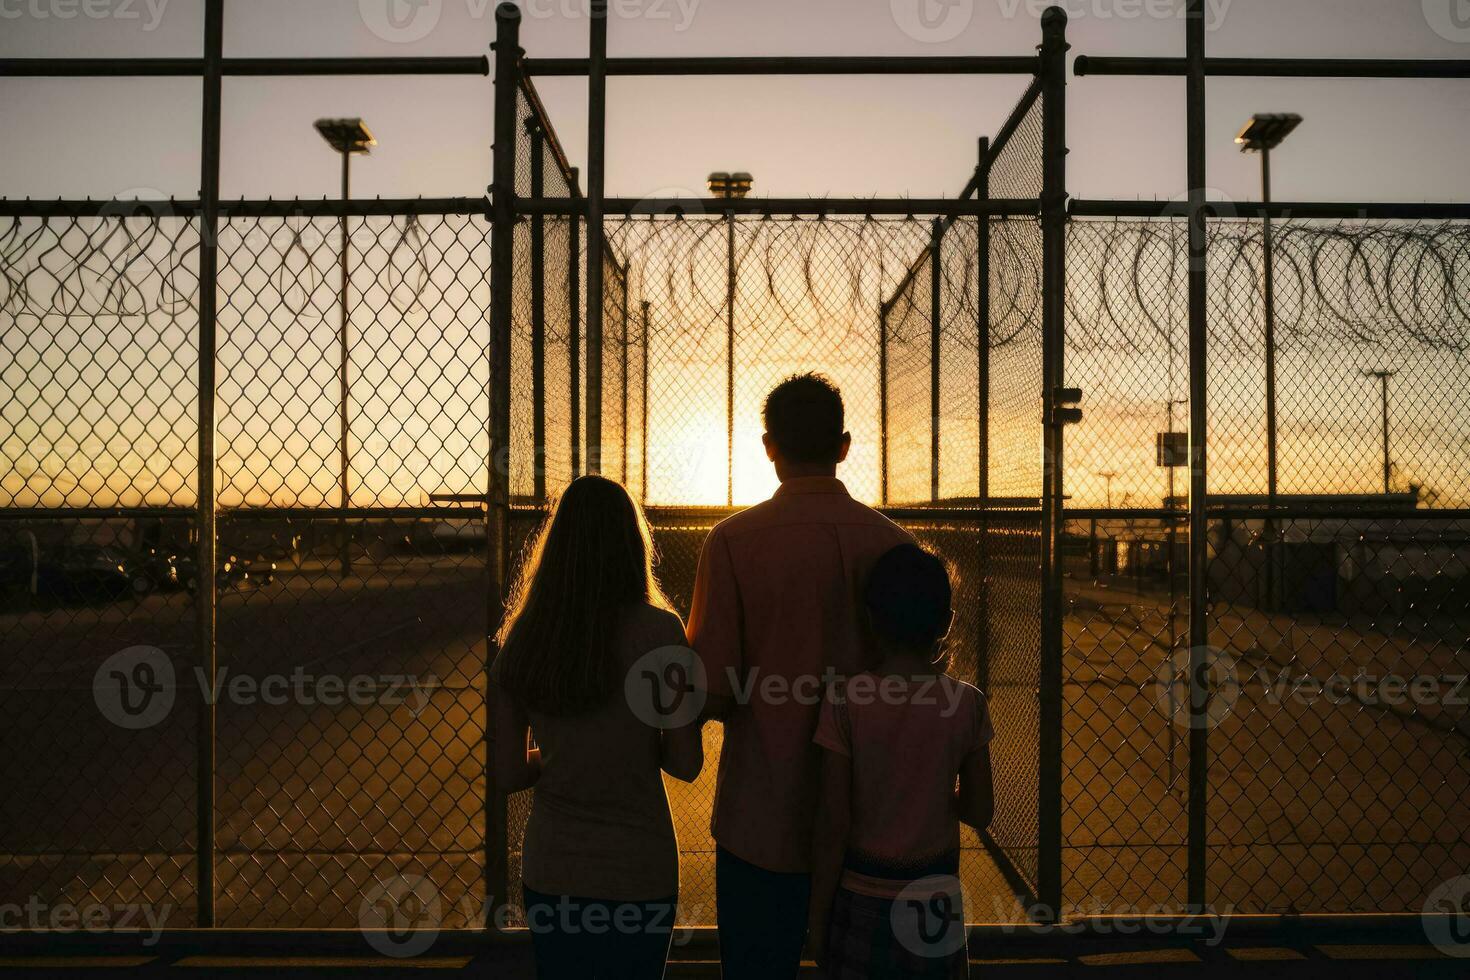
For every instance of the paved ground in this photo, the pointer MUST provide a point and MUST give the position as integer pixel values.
(1346, 962)
(1321, 806)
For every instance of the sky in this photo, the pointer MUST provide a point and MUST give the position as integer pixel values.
(800, 136)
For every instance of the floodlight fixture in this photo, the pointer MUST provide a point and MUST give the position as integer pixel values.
(346, 135)
(1266, 130)
(722, 184)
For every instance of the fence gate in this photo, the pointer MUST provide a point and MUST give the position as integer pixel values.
(930, 314)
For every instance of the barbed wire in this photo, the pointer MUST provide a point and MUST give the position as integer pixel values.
(1346, 282)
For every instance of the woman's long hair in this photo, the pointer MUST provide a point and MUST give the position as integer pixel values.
(591, 560)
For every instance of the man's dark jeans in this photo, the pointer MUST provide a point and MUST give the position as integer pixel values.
(762, 919)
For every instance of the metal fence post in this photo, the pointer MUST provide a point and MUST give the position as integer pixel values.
(643, 402)
(574, 342)
(502, 267)
(1054, 259)
(1199, 632)
(538, 315)
(344, 387)
(730, 359)
(206, 594)
(596, 151)
(883, 403)
(1268, 268)
(623, 381)
(936, 312)
(982, 303)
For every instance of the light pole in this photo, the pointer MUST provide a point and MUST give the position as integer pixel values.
(1109, 476)
(1383, 376)
(1262, 134)
(346, 136)
(726, 186)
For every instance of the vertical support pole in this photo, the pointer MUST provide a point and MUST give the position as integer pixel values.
(643, 403)
(1199, 633)
(596, 244)
(982, 295)
(538, 315)
(497, 531)
(1054, 268)
(936, 316)
(730, 359)
(883, 403)
(344, 387)
(982, 343)
(206, 595)
(574, 343)
(1383, 377)
(1268, 262)
(623, 386)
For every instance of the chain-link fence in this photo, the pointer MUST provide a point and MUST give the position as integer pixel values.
(354, 416)
(349, 694)
(961, 385)
(1336, 612)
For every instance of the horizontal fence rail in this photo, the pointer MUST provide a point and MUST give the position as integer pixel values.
(224, 462)
(1380, 211)
(926, 65)
(1280, 67)
(284, 207)
(815, 206)
(194, 67)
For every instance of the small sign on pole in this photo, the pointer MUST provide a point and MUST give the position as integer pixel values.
(1171, 449)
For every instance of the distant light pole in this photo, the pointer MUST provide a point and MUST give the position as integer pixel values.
(1262, 134)
(346, 136)
(1109, 476)
(1383, 376)
(726, 186)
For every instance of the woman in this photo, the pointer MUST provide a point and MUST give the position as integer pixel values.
(600, 865)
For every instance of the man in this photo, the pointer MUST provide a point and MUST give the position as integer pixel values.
(776, 614)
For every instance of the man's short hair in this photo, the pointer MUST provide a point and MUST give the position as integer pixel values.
(908, 597)
(803, 417)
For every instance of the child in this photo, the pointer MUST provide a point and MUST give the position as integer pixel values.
(886, 896)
